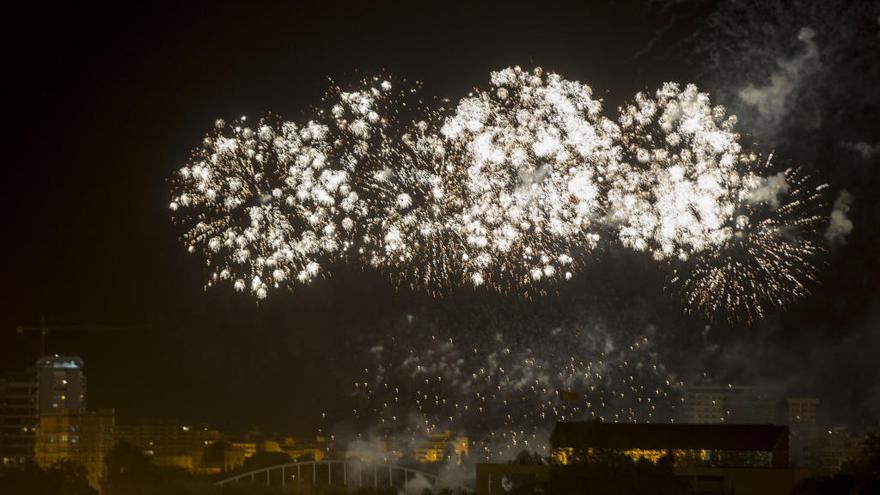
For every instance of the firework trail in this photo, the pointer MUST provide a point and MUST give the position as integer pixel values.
(767, 259)
(514, 187)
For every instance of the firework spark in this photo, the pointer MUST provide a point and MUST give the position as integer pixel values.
(513, 188)
(273, 204)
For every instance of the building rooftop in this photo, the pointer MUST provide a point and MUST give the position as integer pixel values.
(60, 362)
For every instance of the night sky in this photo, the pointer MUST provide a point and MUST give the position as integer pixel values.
(105, 103)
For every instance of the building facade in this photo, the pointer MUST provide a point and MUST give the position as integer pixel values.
(802, 411)
(733, 404)
(61, 383)
(82, 437)
(18, 416)
(297, 448)
(57, 383)
(168, 443)
(442, 447)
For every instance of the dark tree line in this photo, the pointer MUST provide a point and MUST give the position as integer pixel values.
(858, 476)
(604, 472)
(62, 478)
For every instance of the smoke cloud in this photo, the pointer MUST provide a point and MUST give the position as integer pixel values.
(774, 99)
(769, 190)
(865, 150)
(840, 226)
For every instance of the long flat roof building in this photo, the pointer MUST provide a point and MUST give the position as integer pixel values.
(767, 442)
(716, 459)
(18, 416)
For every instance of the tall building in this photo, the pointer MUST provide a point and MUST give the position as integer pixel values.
(62, 384)
(57, 383)
(18, 416)
(734, 404)
(802, 411)
(806, 435)
(82, 437)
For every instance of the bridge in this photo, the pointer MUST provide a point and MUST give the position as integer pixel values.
(352, 474)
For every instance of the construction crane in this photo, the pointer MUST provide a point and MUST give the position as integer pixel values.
(44, 330)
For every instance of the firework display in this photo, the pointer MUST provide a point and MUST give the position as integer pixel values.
(513, 187)
(272, 204)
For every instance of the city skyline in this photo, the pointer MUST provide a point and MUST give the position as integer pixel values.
(104, 284)
(49, 427)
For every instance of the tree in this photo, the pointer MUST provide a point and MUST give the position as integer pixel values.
(214, 454)
(130, 472)
(528, 458)
(62, 478)
(859, 475)
(866, 465)
(610, 472)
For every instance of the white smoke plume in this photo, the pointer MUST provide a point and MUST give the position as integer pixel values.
(768, 190)
(370, 450)
(417, 484)
(773, 100)
(840, 226)
(865, 150)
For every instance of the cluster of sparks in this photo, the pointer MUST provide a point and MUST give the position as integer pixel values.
(505, 395)
(514, 187)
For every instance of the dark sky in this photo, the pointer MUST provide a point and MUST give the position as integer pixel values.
(104, 103)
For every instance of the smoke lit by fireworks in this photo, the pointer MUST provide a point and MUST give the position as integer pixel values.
(505, 394)
(513, 188)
